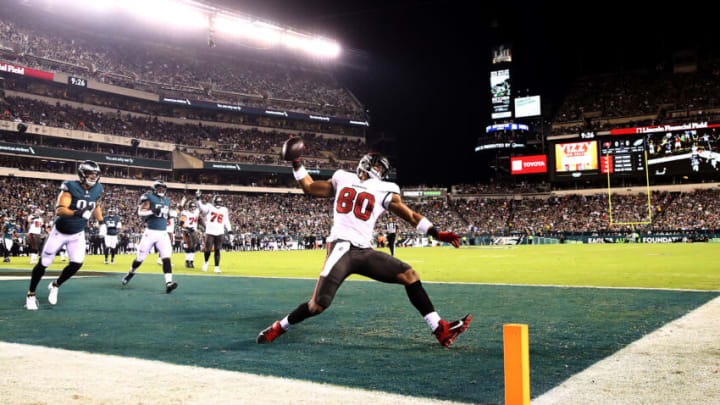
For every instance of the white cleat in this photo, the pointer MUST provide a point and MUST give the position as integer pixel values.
(204, 268)
(31, 303)
(52, 296)
(217, 270)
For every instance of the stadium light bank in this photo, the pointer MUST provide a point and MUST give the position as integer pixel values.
(197, 15)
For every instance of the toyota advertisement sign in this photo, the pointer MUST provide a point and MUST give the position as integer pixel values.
(528, 164)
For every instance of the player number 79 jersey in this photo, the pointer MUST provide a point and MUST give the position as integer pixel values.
(357, 207)
(191, 218)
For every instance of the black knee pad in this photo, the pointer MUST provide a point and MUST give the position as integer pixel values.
(324, 301)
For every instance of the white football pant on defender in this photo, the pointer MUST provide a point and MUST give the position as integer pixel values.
(8, 243)
(111, 241)
(74, 244)
(159, 239)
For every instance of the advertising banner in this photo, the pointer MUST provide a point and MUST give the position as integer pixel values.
(262, 112)
(100, 158)
(528, 164)
(576, 156)
(245, 167)
(23, 71)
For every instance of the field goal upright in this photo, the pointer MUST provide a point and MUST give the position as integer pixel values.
(647, 183)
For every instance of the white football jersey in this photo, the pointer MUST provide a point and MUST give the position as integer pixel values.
(358, 205)
(191, 218)
(35, 225)
(217, 219)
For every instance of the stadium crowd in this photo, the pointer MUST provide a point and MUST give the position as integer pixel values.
(175, 72)
(640, 93)
(212, 138)
(60, 93)
(501, 188)
(271, 220)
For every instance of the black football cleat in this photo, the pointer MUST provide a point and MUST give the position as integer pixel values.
(447, 332)
(126, 279)
(169, 287)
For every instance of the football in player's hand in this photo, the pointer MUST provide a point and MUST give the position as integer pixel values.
(292, 149)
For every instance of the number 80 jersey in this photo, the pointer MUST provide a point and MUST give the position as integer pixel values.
(358, 205)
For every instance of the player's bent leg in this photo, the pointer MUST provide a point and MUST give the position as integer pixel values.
(164, 248)
(444, 331)
(408, 277)
(67, 272)
(54, 243)
(31, 303)
(302, 312)
(167, 269)
(143, 250)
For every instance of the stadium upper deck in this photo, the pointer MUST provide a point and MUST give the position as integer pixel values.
(31, 37)
(640, 98)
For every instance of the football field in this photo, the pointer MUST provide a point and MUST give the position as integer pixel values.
(371, 338)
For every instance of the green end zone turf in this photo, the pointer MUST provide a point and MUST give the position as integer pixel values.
(371, 337)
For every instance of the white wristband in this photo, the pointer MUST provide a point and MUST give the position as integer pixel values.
(300, 173)
(424, 225)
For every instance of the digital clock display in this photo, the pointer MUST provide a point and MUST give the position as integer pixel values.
(77, 81)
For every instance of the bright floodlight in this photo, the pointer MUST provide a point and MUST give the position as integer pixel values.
(167, 11)
(323, 47)
(188, 14)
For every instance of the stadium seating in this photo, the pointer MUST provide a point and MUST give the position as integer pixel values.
(167, 70)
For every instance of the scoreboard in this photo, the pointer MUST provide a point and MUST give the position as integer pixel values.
(622, 156)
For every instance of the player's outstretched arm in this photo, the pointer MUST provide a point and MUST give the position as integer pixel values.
(315, 188)
(421, 223)
(292, 149)
(204, 208)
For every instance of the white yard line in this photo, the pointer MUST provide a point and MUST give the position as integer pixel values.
(14, 278)
(676, 364)
(66, 377)
(424, 282)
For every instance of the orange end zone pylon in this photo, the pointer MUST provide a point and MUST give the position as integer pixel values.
(517, 364)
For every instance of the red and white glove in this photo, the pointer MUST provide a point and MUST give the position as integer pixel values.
(450, 237)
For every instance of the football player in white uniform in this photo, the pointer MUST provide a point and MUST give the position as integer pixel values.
(35, 230)
(360, 199)
(217, 222)
(189, 223)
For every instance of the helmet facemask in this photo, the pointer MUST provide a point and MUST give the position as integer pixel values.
(86, 171)
(159, 188)
(370, 163)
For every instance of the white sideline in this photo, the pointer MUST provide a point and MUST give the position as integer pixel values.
(676, 364)
(36, 374)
